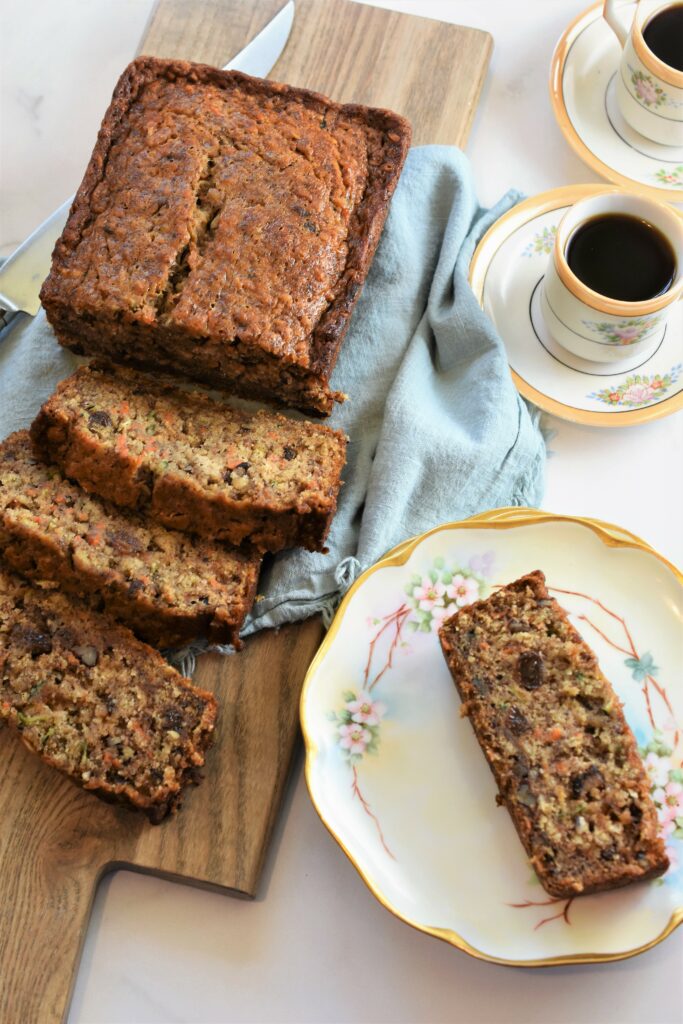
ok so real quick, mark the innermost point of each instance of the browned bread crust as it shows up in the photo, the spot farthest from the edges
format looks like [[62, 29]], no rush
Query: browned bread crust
[[555, 737], [93, 702], [224, 229], [191, 463], [168, 587]]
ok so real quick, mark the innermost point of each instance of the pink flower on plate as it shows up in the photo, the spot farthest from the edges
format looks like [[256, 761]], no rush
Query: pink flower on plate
[[463, 590], [638, 394], [438, 614], [646, 90], [667, 830], [429, 595], [671, 802], [365, 710], [658, 770], [354, 738]]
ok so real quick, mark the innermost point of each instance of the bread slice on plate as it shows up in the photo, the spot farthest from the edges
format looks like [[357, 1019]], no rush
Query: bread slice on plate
[[554, 734]]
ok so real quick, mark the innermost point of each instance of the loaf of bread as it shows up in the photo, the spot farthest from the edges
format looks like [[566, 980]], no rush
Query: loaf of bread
[[95, 703], [555, 737], [191, 463], [224, 229], [168, 587]]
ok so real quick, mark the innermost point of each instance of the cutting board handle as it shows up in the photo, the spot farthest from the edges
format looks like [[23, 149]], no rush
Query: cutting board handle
[[52, 854]]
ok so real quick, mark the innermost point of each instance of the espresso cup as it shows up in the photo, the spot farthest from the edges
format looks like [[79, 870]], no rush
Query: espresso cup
[[595, 326], [649, 92]]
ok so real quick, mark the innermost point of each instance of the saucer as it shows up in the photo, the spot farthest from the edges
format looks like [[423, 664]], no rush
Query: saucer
[[583, 74], [506, 275]]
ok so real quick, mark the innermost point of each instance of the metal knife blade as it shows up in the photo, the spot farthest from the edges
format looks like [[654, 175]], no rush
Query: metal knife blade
[[22, 274], [261, 54]]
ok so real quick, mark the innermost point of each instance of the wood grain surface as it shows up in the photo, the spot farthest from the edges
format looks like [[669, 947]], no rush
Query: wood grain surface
[[424, 69], [56, 842]]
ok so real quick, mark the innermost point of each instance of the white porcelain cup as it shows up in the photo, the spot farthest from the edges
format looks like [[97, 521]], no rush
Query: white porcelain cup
[[649, 92], [596, 326]]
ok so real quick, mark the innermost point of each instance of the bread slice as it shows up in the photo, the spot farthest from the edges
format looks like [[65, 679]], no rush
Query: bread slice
[[98, 705], [166, 586], [555, 737], [191, 463]]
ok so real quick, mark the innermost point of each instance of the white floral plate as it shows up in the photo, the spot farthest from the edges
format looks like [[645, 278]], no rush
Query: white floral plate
[[583, 72], [506, 274], [398, 778]]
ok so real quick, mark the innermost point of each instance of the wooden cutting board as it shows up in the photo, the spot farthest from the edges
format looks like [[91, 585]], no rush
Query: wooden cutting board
[[55, 841]]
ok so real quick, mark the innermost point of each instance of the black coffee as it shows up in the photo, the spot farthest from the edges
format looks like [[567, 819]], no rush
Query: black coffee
[[622, 257], [664, 36]]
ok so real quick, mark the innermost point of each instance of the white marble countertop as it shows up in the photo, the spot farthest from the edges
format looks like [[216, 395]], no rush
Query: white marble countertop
[[315, 946]]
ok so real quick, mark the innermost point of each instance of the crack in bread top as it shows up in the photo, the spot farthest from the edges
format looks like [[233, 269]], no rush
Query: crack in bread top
[[222, 212]]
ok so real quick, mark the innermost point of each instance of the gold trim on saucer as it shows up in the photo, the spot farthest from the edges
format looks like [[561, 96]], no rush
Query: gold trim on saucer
[[496, 519], [564, 44], [498, 233]]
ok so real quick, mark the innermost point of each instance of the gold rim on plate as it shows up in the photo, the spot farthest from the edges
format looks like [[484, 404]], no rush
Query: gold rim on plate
[[564, 45], [487, 248], [496, 519]]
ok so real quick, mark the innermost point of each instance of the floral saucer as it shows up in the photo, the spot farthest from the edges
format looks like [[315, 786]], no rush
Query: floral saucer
[[399, 780], [583, 72], [506, 274]]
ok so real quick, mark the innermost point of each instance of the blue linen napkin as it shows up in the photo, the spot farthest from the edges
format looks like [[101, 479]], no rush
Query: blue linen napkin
[[437, 430]]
